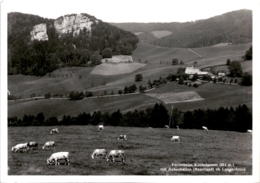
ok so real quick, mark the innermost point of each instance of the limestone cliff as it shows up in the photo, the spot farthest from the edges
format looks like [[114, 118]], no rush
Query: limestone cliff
[[39, 32], [73, 24]]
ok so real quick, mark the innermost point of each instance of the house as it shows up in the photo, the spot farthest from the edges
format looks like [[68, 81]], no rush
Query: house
[[193, 70], [118, 59], [221, 74]]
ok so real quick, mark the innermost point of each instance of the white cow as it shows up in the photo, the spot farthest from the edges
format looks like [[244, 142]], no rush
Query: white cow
[[99, 153], [166, 126], [116, 155], [122, 137], [100, 127], [33, 144], [23, 147], [249, 131], [204, 128], [48, 145], [176, 139], [58, 157], [54, 131]]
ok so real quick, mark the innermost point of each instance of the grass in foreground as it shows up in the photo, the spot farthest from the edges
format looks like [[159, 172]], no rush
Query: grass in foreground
[[147, 149]]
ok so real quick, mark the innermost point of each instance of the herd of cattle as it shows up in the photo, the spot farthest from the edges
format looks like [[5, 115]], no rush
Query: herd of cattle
[[59, 158], [62, 158]]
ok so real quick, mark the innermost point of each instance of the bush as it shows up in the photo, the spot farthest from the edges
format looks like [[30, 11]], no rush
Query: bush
[[175, 61], [88, 94], [142, 88], [171, 77], [120, 92], [181, 71], [47, 95], [95, 58], [130, 89], [138, 77], [107, 53], [76, 95]]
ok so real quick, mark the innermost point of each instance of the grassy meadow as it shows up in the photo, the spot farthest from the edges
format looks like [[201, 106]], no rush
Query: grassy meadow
[[147, 150]]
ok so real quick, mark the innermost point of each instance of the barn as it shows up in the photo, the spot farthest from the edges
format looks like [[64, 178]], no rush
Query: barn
[[118, 59]]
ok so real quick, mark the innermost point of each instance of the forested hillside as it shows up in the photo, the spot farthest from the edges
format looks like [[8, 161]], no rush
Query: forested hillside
[[38, 57], [233, 27]]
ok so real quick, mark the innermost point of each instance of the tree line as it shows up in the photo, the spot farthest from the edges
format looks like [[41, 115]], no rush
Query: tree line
[[158, 116]]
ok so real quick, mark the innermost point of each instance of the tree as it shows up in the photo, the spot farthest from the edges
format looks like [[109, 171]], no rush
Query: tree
[[116, 118], [40, 118], [246, 79], [88, 94], [171, 77], [107, 53], [138, 77], [248, 54], [159, 116], [142, 89], [176, 118], [195, 77], [95, 58], [228, 61], [175, 61], [181, 81], [47, 95], [74, 95], [181, 71], [235, 69], [120, 92], [150, 84]]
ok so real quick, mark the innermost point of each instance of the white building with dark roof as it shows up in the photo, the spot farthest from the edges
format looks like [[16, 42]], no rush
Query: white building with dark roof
[[193, 70]]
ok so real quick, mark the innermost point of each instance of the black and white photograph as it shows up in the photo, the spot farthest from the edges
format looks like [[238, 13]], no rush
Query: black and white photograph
[[140, 88]]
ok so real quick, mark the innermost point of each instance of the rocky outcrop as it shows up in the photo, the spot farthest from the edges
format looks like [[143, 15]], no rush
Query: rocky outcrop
[[73, 24], [39, 32]]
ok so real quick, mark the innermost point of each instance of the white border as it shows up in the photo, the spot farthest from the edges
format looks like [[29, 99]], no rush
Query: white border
[[256, 91], [256, 126], [3, 92]]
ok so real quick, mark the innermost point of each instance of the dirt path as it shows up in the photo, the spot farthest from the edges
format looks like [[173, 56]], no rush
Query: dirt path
[[194, 52]]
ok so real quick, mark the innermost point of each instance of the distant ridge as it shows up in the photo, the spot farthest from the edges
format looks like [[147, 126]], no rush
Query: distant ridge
[[232, 27]]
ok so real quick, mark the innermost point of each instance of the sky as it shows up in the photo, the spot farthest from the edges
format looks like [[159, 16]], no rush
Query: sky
[[131, 10]]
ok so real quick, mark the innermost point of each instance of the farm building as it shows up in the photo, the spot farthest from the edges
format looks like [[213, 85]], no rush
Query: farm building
[[118, 59], [221, 74], [192, 70]]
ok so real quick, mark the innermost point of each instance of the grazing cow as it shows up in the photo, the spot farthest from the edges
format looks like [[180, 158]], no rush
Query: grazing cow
[[166, 126], [176, 139], [122, 137], [58, 158], [204, 128], [33, 144], [24, 147], [99, 153], [54, 131], [48, 145], [100, 127], [249, 131], [116, 155]]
